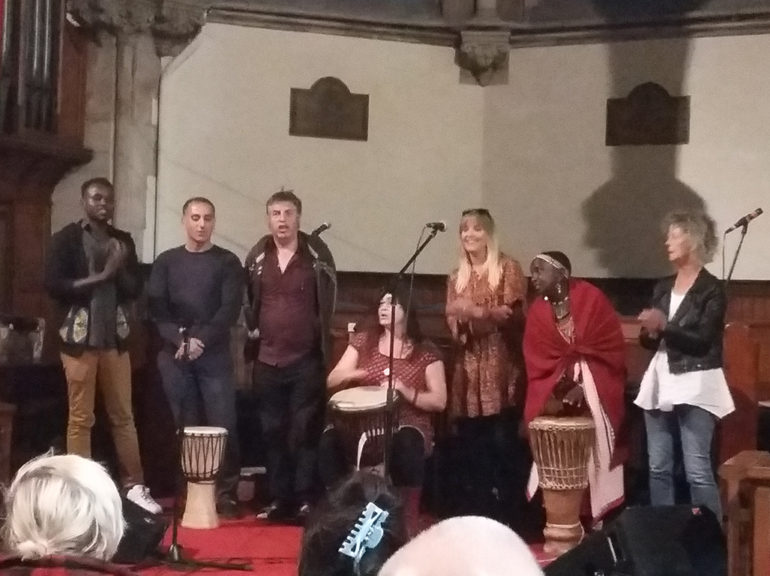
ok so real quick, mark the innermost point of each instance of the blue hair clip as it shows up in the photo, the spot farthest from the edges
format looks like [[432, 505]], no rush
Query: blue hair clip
[[366, 533]]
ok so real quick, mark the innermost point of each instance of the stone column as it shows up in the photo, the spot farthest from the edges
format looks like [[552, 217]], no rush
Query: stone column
[[130, 38], [484, 43], [136, 139]]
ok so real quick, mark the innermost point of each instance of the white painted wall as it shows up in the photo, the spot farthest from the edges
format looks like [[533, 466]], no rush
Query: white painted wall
[[224, 123], [553, 184], [533, 150]]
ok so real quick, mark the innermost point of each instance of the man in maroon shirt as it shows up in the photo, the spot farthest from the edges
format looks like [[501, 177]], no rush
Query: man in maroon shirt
[[292, 291]]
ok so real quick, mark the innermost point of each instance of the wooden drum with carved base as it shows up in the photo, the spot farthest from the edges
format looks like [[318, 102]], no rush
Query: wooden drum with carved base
[[202, 452], [359, 415], [561, 448]]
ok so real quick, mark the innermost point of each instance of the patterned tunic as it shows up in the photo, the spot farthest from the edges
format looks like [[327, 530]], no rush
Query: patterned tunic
[[410, 370], [487, 364]]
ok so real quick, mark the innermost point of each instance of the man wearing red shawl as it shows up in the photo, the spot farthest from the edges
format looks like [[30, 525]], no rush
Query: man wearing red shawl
[[575, 357]]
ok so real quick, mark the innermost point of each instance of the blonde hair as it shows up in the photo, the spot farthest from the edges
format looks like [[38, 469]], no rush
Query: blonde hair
[[63, 505], [492, 266]]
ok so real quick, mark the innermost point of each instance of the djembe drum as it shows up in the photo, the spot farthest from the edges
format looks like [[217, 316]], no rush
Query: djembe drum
[[561, 448], [202, 451], [359, 415]]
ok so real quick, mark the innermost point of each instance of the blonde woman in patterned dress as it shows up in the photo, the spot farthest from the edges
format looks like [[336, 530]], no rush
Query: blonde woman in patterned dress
[[485, 313]]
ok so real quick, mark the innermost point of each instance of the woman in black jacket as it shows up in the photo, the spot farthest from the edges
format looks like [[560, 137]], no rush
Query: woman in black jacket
[[684, 388]]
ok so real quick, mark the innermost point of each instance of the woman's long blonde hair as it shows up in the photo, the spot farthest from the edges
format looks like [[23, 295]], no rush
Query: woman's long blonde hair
[[492, 266]]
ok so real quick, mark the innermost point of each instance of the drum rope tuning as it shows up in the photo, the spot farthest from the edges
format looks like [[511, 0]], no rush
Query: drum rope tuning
[[202, 453]]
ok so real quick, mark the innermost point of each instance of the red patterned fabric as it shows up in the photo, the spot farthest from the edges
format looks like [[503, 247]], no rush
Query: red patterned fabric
[[598, 339], [410, 370], [487, 364]]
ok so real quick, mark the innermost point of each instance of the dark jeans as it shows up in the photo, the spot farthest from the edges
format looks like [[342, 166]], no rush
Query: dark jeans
[[291, 405], [407, 461], [207, 383]]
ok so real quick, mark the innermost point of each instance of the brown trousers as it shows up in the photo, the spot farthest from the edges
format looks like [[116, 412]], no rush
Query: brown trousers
[[110, 371]]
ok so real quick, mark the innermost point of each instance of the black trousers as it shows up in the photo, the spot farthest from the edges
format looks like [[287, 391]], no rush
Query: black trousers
[[492, 466], [407, 461], [291, 408]]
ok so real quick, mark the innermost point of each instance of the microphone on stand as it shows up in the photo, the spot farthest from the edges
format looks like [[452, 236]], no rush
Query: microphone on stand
[[438, 226], [321, 229], [744, 221], [183, 331]]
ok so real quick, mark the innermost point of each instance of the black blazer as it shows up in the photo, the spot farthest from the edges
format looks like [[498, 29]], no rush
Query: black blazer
[[326, 287], [66, 261], [694, 335]]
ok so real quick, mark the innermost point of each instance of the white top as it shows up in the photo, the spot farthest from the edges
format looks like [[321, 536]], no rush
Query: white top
[[662, 390]]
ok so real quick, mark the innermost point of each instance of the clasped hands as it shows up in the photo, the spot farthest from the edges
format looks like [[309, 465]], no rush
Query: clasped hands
[[117, 252], [574, 397], [567, 396], [192, 349], [465, 310], [652, 320]]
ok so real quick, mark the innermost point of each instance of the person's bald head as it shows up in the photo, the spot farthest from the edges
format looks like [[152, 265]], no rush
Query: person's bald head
[[464, 546]]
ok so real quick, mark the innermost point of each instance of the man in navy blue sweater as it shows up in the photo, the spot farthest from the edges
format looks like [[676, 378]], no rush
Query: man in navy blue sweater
[[195, 297]]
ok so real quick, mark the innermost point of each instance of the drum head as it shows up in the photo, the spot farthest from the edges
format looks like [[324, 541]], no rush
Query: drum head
[[360, 398], [204, 431], [561, 422]]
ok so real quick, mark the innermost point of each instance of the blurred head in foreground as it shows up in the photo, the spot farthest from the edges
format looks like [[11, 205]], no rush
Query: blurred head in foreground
[[333, 521], [464, 546], [63, 505]]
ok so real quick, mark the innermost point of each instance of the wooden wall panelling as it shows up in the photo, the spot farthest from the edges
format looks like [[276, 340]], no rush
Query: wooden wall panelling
[[760, 332], [6, 253], [31, 231], [71, 108], [749, 301], [738, 431]]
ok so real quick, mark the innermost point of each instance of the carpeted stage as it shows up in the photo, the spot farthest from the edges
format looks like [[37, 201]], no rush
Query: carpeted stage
[[272, 550]]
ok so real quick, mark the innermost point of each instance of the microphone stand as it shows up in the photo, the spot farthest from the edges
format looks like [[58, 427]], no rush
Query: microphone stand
[[744, 229], [390, 398], [175, 556]]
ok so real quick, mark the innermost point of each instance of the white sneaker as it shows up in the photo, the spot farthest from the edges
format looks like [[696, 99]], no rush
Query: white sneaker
[[139, 494]]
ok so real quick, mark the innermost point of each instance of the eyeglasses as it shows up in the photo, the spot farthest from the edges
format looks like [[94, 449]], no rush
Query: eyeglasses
[[476, 212]]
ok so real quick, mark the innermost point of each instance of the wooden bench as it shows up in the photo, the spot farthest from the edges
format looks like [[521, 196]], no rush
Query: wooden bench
[[745, 482]]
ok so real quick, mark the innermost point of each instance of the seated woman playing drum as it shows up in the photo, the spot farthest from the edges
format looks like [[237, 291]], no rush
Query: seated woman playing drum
[[420, 383]]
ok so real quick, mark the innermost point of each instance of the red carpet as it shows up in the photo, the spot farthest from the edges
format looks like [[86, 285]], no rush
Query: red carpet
[[271, 550]]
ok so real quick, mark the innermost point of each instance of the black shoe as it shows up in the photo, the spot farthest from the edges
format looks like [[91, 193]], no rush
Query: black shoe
[[276, 512], [228, 508]]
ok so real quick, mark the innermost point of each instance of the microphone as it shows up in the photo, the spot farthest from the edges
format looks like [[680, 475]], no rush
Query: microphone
[[744, 221], [438, 226], [321, 229], [183, 331]]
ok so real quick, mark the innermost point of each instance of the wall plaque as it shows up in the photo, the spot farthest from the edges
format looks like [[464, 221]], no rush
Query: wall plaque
[[648, 115], [329, 110]]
